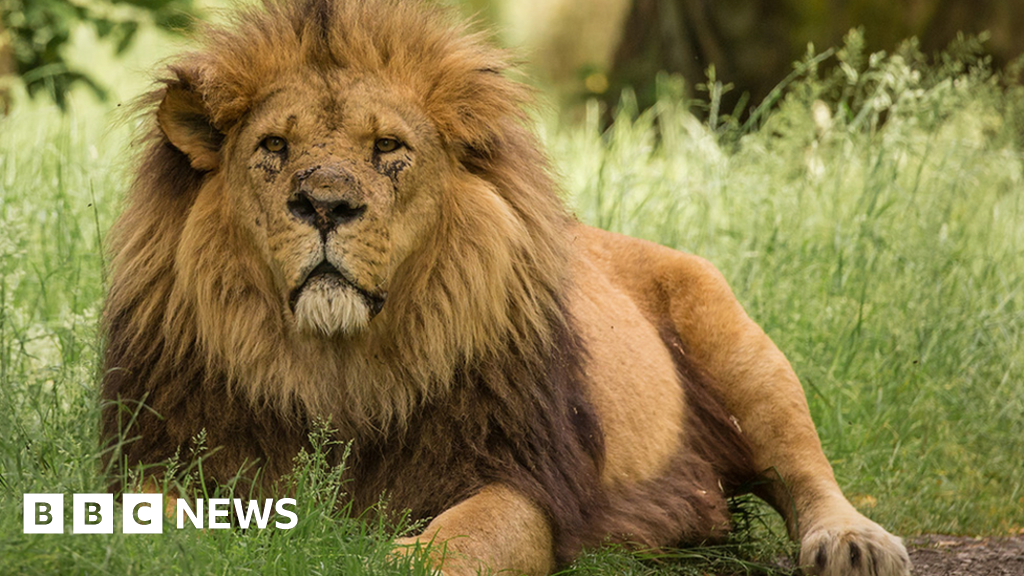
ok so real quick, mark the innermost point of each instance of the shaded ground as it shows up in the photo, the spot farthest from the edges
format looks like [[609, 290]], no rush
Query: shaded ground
[[962, 556], [938, 555]]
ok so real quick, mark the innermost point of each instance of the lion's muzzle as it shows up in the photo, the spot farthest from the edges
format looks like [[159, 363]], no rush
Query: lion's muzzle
[[326, 197]]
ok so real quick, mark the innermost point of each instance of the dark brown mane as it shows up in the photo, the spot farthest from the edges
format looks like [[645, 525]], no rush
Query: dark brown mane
[[509, 419]]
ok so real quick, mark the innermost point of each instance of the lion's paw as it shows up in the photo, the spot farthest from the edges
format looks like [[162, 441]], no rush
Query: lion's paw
[[854, 549]]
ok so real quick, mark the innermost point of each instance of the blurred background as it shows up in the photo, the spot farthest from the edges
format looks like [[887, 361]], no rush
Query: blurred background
[[588, 48], [577, 49]]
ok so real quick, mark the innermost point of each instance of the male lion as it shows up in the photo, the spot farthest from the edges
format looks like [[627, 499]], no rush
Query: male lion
[[339, 215]]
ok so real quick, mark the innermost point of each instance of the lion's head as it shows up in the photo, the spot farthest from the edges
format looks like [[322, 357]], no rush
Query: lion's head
[[338, 207]]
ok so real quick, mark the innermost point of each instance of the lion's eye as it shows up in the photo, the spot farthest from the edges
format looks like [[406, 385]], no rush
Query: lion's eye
[[385, 145], [274, 144]]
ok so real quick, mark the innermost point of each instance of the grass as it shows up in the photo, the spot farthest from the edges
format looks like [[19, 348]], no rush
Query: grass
[[872, 222]]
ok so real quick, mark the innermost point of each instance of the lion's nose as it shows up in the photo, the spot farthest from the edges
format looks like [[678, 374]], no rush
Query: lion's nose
[[324, 198], [323, 214]]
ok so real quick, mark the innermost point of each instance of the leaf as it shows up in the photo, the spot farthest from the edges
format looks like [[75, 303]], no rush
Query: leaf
[[128, 32], [174, 20]]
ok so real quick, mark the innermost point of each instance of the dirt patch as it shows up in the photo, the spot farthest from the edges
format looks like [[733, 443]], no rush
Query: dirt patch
[[938, 555], [963, 556]]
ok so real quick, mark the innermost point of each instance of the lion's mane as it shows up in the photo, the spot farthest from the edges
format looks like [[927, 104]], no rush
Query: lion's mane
[[196, 332]]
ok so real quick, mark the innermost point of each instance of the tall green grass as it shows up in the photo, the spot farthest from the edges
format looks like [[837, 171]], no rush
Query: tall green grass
[[872, 222]]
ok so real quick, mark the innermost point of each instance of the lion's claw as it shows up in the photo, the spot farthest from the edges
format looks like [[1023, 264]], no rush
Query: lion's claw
[[856, 550]]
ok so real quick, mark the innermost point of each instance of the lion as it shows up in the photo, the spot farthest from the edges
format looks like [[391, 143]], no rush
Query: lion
[[341, 215]]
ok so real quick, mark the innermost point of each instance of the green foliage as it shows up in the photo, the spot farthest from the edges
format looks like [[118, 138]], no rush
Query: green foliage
[[756, 547], [40, 32], [871, 220]]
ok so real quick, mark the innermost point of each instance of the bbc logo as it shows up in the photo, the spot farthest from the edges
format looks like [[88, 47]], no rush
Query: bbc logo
[[93, 514], [143, 513]]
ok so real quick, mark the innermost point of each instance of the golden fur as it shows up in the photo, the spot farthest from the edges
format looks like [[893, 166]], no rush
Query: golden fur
[[340, 215]]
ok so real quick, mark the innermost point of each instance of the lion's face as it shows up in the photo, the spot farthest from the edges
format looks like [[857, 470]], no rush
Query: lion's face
[[334, 192], [336, 180]]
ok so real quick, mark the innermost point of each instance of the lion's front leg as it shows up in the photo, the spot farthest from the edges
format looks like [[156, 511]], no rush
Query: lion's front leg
[[758, 386], [497, 531]]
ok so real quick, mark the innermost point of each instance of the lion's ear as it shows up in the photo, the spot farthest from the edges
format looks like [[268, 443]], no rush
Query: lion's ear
[[185, 120]]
